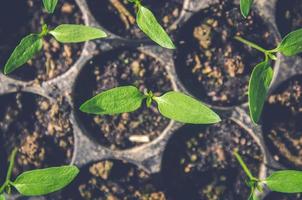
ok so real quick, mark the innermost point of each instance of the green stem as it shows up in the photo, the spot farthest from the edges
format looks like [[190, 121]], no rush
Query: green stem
[[244, 167], [9, 171], [253, 45]]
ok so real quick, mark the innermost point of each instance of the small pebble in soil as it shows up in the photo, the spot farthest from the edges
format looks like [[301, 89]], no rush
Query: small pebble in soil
[[200, 161]]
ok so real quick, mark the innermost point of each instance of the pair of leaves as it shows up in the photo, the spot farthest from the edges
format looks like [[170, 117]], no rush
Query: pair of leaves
[[173, 105], [32, 44], [245, 7], [259, 83], [44, 181], [150, 26], [50, 5]]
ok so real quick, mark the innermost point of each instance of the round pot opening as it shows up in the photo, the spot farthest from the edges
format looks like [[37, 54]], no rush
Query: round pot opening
[[120, 68], [55, 58], [200, 161], [282, 127], [210, 63], [40, 129]]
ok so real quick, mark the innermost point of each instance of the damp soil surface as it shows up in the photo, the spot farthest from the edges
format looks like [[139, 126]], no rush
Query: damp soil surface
[[24, 18], [280, 196], [288, 16], [120, 68], [119, 16], [199, 164], [41, 131], [282, 126], [210, 63], [114, 180]]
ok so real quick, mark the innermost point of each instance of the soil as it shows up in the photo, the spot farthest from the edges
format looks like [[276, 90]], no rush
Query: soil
[[39, 129], [280, 196], [288, 16], [282, 127], [55, 58], [122, 15], [114, 180], [120, 68], [199, 160], [211, 64]]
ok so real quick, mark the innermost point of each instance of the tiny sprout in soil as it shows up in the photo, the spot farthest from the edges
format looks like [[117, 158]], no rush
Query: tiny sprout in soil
[[64, 33], [173, 105], [284, 181], [37, 182], [262, 74]]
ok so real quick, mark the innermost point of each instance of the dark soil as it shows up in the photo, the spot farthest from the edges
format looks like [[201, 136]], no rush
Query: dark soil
[[199, 162], [39, 129], [120, 68], [280, 196], [282, 126], [210, 63], [114, 180], [288, 16], [20, 18], [119, 16]]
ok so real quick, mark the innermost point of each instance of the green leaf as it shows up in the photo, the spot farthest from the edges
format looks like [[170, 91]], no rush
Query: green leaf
[[50, 5], [149, 25], [117, 100], [245, 7], [258, 88], [45, 181], [183, 108], [72, 33], [27, 49], [2, 197], [291, 43], [286, 181]]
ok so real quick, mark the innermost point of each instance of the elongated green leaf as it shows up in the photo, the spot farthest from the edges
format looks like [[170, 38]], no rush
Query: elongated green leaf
[[2, 197], [114, 101], [183, 108], [286, 181], [258, 88], [72, 33], [149, 25], [245, 7], [45, 181], [50, 5], [27, 49], [291, 43]]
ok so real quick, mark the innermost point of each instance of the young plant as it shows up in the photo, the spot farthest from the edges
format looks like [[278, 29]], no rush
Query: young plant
[[284, 181], [147, 22], [173, 105], [37, 182], [65, 33], [262, 74], [245, 7]]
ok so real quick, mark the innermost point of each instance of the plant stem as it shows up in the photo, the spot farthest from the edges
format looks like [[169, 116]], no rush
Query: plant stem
[[10, 170], [253, 45], [243, 165]]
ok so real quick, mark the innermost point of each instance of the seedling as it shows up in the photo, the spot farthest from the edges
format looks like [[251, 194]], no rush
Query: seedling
[[245, 7], [65, 33], [284, 181], [263, 73], [37, 182], [173, 105], [147, 22]]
